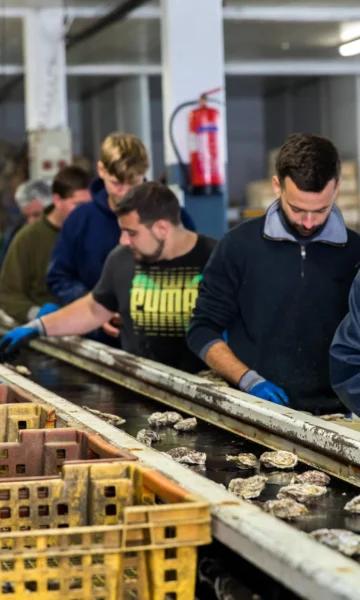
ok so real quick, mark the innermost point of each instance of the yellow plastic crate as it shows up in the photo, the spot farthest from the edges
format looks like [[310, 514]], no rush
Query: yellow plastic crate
[[125, 532], [14, 417]]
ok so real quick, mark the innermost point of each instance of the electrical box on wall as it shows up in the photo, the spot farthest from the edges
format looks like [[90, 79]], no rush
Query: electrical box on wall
[[49, 151]]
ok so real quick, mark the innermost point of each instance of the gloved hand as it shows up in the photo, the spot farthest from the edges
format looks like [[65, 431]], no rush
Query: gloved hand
[[19, 336], [253, 383], [46, 309], [270, 391]]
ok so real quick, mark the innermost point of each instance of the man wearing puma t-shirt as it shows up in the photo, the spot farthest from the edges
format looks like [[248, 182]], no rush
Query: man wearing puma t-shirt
[[151, 279]]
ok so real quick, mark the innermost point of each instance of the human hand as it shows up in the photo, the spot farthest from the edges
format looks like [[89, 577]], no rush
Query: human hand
[[19, 336], [112, 327], [269, 391], [46, 309], [253, 383]]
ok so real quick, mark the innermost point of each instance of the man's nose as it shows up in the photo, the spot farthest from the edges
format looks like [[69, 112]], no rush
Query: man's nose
[[308, 220], [124, 239]]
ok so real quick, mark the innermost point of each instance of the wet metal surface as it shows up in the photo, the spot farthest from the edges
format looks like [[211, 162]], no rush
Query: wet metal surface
[[76, 386]]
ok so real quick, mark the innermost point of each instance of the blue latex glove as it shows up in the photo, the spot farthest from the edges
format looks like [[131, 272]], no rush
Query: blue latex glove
[[46, 309], [269, 391], [19, 336]]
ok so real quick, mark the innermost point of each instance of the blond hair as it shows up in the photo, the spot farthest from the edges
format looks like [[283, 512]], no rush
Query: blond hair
[[124, 156]]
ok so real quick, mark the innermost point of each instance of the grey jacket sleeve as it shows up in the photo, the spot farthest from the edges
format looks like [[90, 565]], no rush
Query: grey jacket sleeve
[[345, 353]]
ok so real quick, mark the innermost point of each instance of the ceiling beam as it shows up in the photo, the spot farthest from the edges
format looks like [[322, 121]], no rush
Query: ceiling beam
[[247, 12], [291, 13], [249, 68], [293, 67], [113, 69]]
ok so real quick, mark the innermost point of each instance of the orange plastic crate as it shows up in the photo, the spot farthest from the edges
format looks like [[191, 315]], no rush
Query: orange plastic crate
[[41, 452]]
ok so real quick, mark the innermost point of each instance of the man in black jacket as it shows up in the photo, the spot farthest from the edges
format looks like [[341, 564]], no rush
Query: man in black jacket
[[278, 285]]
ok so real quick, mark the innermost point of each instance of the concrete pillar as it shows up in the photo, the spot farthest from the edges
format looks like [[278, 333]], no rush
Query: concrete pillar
[[133, 110], [45, 69], [193, 63], [45, 91]]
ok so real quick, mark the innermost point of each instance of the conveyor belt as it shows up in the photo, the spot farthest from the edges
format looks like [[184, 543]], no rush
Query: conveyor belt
[[308, 568], [82, 389]]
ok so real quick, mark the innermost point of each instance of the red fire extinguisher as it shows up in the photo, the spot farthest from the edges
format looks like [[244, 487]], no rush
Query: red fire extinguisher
[[205, 174], [205, 168]]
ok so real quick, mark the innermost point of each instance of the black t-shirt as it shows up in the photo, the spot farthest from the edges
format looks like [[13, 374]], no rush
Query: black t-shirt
[[155, 301]]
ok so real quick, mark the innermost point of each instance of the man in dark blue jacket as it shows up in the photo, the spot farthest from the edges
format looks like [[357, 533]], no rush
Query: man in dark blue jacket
[[345, 353], [92, 231], [279, 284]]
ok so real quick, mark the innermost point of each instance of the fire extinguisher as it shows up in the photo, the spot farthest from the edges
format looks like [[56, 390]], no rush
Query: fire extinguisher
[[205, 174]]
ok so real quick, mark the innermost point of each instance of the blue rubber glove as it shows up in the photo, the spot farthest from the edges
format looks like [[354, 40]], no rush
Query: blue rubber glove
[[253, 383], [19, 336], [270, 391], [46, 309]]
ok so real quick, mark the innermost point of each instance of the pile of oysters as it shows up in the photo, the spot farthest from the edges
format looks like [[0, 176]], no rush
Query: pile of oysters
[[169, 418], [294, 498]]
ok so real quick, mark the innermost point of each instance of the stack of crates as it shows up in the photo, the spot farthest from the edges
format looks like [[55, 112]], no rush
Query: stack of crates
[[17, 412], [81, 519]]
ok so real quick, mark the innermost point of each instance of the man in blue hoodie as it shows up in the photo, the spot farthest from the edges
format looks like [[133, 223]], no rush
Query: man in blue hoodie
[[92, 231], [278, 285]]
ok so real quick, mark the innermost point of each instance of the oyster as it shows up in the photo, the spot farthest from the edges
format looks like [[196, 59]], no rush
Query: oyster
[[213, 377], [315, 477], [186, 424], [251, 487], [22, 370], [280, 477], [303, 492], [172, 417], [243, 460], [353, 505], [147, 436], [343, 540], [162, 419], [279, 459], [286, 508], [108, 417], [333, 417], [184, 455]]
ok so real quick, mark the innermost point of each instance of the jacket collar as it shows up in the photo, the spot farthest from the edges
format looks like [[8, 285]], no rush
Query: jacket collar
[[333, 232]]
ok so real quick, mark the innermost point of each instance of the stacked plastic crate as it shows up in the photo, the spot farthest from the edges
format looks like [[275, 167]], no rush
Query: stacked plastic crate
[[81, 519]]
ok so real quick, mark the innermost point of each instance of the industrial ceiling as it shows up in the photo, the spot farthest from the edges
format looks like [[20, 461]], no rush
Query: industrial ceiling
[[261, 38]]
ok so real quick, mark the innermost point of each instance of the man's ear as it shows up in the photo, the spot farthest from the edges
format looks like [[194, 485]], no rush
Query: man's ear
[[161, 228], [101, 169], [276, 185], [56, 199], [337, 189]]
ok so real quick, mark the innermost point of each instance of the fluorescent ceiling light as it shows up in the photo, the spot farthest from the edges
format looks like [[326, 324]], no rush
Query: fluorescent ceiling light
[[350, 48], [349, 31]]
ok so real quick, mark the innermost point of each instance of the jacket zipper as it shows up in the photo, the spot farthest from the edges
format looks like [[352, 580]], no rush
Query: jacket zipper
[[303, 258]]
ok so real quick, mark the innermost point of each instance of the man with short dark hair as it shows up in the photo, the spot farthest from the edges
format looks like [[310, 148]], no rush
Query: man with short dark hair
[[278, 285], [151, 279], [23, 290]]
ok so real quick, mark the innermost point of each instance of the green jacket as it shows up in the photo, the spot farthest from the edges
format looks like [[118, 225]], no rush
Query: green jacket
[[23, 274]]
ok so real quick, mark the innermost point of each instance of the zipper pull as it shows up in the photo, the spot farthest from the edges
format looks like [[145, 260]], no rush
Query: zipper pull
[[303, 257]]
